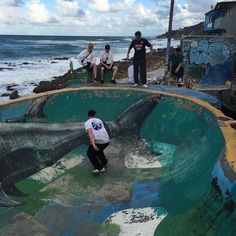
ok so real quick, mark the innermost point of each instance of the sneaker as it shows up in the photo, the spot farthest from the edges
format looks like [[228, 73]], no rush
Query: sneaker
[[113, 81], [96, 171], [94, 81], [180, 81], [145, 86], [102, 81], [135, 85]]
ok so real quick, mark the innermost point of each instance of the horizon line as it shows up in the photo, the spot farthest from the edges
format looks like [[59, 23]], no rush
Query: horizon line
[[47, 35]]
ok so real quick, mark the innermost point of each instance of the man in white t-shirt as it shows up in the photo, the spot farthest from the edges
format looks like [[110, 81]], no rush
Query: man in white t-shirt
[[87, 59], [106, 60], [99, 140]]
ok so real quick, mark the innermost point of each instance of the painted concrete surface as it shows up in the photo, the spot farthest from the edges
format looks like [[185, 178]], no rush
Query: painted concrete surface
[[215, 53], [157, 176]]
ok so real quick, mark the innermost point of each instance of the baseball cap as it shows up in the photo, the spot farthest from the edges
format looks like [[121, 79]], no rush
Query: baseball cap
[[91, 113], [107, 47]]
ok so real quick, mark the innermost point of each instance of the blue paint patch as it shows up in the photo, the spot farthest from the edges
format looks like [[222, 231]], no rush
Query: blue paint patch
[[107, 211], [216, 75], [14, 110], [81, 210], [144, 193], [223, 182]]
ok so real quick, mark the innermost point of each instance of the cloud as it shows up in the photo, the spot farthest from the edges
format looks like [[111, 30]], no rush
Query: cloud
[[38, 13], [68, 8], [100, 5], [104, 6], [12, 3], [11, 12], [144, 16], [183, 17], [201, 6], [99, 17], [186, 13], [121, 6]]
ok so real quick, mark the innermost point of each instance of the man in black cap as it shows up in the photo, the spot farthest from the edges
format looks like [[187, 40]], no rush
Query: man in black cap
[[106, 60], [139, 60], [99, 140]]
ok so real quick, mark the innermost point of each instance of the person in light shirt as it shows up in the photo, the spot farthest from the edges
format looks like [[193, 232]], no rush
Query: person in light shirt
[[87, 59], [106, 60], [99, 140]]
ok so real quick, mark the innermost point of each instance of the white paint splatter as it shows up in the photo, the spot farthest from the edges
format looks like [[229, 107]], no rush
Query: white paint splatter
[[137, 221], [49, 173], [141, 160]]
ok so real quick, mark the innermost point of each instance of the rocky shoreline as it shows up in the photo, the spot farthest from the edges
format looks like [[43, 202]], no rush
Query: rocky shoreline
[[155, 60]]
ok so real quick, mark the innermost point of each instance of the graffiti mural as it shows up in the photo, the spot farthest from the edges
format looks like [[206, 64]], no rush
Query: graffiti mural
[[162, 153], [216, 54]]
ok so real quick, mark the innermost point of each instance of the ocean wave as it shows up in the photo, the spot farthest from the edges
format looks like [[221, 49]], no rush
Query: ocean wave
[[128, 39], [32, 56]]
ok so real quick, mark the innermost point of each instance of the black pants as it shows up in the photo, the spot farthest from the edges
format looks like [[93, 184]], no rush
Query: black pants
[[88, 67], [97, 158], [180, 73], [140, 67]]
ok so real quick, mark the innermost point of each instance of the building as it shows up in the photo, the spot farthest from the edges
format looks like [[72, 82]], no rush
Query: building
[[221, 19]]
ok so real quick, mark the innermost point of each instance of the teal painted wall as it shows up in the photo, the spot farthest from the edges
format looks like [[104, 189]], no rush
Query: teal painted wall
[[182, 136]]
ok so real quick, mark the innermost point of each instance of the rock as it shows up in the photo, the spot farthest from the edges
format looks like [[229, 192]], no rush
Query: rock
[[43, 86], [49, 85], [27, 63], [4, 68], [5, 95], [10, 87], [155, 60], [14, 94], [60, 58]]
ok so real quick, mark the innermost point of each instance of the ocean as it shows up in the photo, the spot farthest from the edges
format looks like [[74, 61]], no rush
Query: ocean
[[27, 60]]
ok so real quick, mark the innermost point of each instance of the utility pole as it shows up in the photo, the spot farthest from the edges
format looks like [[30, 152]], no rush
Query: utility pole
[[169, 37]]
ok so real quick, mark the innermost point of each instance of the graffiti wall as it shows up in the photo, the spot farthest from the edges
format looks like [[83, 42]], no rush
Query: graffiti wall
[[160, 160], [210, 59]]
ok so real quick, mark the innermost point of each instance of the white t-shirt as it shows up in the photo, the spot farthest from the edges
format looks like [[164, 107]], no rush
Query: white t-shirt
[[98, 129], [107, 58], [86, 56]]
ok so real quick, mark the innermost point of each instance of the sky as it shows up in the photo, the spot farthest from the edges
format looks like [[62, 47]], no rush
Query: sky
[[98, 17]]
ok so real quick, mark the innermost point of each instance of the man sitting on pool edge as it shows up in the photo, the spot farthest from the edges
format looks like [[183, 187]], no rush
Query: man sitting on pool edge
[[106, 60]]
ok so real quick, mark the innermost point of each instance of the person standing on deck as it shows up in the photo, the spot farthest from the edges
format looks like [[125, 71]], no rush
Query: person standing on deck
[[139, 60]]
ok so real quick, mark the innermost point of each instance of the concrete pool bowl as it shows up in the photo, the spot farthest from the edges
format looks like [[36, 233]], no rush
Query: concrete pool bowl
[[171, 168]]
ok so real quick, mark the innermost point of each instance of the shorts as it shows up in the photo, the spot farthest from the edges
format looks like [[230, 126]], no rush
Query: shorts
[[106, 68]]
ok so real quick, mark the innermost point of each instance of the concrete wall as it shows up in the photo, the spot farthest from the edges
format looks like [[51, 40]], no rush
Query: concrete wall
[[227, 22], [213, 56]]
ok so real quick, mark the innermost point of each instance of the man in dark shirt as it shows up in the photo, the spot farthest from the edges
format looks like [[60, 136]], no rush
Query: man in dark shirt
[[176, 68], [139, 60]]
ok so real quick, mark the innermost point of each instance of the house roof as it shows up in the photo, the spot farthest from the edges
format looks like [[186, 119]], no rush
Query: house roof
[[224, 5]]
